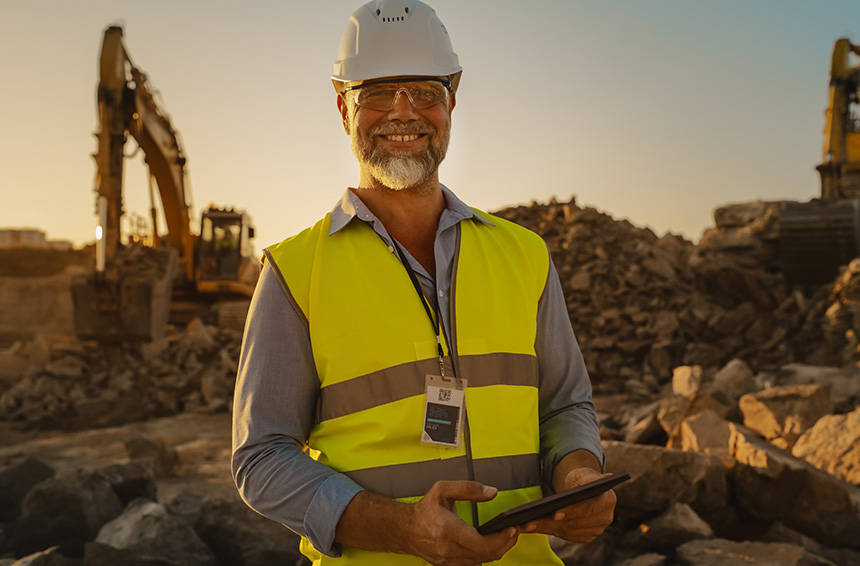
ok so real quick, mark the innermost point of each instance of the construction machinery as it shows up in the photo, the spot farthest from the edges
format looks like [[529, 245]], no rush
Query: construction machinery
[[129, 294], [818, 237]]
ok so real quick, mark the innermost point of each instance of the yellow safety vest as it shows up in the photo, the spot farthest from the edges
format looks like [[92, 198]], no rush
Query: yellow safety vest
[[373, 345]]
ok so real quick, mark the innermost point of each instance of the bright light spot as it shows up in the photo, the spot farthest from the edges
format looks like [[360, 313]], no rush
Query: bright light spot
[[99, 232]]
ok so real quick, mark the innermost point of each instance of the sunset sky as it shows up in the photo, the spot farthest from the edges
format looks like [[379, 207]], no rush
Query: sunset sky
[[657, 111]]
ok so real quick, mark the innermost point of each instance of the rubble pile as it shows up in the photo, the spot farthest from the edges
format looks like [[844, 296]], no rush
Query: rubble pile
[[735, 468], [726, 470], [111, 516], [84, 385], [642, 305]]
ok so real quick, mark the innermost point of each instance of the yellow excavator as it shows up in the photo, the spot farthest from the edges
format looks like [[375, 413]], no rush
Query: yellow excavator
[[818, 237], [129, 294]]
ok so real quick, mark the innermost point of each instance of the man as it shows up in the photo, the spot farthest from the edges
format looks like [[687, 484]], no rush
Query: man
[[408, 369]]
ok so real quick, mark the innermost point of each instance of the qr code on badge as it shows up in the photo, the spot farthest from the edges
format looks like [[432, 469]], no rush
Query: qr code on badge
[[445, 395]]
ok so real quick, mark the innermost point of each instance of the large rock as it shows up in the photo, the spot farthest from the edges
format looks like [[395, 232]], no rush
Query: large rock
[[239, 535], [771, 484], [651, 559], [707, 433], [661, 477], [733, 381], [721, 552], [686, 381], [16, 481], [65, 511], [673, 527], [149, 529], [130, 481], [844, 382], [782, 414], [594, 553], [833, 445], [152, 452], [12, 368], [97, 554], [840, 556]]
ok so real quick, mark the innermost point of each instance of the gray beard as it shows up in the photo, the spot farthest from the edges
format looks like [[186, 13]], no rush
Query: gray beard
[[400, 170]]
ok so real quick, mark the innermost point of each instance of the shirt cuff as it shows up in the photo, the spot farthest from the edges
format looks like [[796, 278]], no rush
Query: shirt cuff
[[325, 511], [562, 449]]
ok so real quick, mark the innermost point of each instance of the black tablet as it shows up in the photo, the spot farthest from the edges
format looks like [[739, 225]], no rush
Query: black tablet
[[548, 505]]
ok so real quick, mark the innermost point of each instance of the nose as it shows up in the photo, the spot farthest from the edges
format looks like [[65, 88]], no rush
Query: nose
[[403, 108]]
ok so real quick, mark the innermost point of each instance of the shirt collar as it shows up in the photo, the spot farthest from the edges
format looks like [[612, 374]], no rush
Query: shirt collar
[[350, 206]]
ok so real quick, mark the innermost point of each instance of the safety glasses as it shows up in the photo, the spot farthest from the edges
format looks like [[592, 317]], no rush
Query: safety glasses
[[382, 95]]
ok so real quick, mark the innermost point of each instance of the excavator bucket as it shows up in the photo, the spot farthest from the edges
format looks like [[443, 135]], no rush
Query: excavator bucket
[[818, 237], [130, 301]]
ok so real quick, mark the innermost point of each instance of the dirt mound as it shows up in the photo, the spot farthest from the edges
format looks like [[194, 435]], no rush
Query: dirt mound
[[41, 262]]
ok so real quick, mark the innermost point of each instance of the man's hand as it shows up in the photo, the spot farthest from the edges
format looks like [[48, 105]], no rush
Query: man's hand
[[428, 528], [581, 522], [440, 537]]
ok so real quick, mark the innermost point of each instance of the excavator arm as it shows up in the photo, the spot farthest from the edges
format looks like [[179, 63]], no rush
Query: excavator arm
[[840, 167], [130, 294], [126, 106]]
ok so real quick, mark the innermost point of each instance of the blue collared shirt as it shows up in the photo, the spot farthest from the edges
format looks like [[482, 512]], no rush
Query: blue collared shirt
[[277, 388]]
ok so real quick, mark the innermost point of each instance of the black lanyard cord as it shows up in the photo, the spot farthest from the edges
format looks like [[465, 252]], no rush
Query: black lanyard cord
[[436, 321]]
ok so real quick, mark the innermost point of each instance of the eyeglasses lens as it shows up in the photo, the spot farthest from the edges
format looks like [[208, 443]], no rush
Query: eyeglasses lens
[[383, 96]]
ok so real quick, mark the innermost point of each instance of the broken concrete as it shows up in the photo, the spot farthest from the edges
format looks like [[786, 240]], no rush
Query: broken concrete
[[833, 445], [782, 414], [771, 484], [662, 477]]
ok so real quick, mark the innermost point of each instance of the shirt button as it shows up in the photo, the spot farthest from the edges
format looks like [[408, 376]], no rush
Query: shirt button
[[391, 249], [441, 293]]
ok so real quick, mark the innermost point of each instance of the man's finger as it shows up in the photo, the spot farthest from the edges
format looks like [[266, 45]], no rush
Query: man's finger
[[464, 491]]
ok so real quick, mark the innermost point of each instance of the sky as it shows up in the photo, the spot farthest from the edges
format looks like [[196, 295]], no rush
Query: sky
[[654, 111]]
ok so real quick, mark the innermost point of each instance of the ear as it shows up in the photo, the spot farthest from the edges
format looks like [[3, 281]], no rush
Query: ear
[[343, 108], [453, 102]]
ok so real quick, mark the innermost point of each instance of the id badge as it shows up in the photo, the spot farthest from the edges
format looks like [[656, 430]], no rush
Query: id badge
[[444, 401]]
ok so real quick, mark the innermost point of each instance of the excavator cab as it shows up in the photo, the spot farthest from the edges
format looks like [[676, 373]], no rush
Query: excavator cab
[[225, 253]]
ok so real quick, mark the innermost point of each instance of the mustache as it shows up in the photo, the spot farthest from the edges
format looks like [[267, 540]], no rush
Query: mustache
[[401, 128]]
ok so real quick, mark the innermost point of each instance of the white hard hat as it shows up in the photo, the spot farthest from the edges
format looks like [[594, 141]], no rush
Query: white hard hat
[[392, 38]]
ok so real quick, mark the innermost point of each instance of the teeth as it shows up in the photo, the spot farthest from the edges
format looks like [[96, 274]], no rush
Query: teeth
[[399, 138]]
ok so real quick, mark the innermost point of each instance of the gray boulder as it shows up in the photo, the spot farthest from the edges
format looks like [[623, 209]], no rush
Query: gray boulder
[[65, 511], [721, 552], [149, 529], [672, 528], [16, 481], [661, 477], [97, 554]]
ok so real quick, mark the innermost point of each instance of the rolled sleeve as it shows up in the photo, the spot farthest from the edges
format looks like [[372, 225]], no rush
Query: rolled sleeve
[[568, 420], [274, 403]]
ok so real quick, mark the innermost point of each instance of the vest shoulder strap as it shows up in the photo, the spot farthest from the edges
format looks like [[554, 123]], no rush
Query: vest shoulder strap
[[293, 259]]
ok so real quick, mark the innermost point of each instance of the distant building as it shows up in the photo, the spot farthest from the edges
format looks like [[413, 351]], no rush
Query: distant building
[[30, 238]]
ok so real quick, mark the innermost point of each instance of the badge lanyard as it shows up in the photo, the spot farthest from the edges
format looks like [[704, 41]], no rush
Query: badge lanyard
[[435, 321]]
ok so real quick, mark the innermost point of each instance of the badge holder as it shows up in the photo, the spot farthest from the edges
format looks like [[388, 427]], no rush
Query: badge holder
[[444, 403]]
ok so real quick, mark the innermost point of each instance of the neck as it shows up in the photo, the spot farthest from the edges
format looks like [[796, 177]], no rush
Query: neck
[[411, 216]]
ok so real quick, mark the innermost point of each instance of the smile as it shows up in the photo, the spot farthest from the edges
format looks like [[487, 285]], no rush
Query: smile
[[402, 137]]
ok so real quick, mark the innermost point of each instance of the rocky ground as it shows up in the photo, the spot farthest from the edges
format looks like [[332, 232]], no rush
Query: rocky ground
[[731, 398]]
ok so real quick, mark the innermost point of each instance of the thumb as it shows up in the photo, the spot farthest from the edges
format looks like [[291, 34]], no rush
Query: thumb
[[465, 491]]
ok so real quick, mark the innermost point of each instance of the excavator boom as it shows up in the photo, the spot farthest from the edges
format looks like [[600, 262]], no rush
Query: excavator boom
[[129, 295]]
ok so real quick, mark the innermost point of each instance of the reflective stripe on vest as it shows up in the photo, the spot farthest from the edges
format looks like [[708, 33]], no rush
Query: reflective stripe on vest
[[373, 347]]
